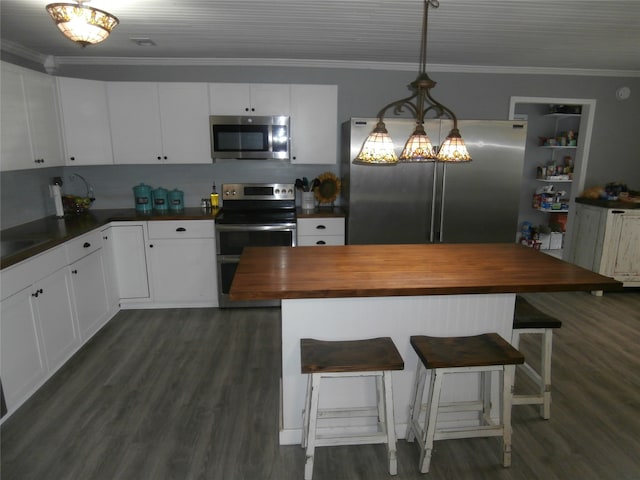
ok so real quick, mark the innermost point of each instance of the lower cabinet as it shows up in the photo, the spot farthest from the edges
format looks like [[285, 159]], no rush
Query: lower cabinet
[[607, 241], [38, 335], [182, 261], [130, 262], [89, 293], [320, 231]]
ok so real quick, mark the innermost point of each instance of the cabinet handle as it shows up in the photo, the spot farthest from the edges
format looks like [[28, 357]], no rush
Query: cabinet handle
[[181, 229], [37, 292], [75, 272], [86, 245], [617, 211], [321, 242], [321, 227]]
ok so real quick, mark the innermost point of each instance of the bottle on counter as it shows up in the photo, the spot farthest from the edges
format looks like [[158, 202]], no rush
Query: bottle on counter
[[215, 199]]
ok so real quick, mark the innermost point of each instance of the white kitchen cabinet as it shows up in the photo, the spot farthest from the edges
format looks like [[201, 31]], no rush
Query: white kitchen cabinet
[[85, 121], [130, 262], [30, 128], [89, 293], [607, 241], [110, 275], [314, 124], [320, 231], [249, 99], [159, 123], [22, 362], [182, 259]]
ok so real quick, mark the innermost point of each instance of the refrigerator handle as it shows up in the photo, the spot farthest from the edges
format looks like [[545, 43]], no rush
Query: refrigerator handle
[[433, 204]]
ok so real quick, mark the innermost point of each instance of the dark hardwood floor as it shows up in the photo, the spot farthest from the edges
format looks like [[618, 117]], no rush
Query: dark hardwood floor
[[193, 394]]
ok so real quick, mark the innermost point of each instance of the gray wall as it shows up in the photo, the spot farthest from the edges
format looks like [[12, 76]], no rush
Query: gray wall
[[613, 155]]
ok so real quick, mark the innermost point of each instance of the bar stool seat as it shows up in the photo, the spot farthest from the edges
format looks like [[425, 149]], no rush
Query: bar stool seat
[[528, 319], [375, 357], [484, 354]]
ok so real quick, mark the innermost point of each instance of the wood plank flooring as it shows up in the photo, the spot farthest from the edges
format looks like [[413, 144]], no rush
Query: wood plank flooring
[[193, 394]]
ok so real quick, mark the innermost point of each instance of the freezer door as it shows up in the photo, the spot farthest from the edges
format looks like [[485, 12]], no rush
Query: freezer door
[[478, 201]]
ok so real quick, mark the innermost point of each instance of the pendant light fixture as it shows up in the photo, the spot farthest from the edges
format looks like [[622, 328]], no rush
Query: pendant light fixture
[[378, 148], [82, 24]]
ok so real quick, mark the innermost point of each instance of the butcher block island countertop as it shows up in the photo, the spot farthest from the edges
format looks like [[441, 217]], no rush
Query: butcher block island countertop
[[401, 270]]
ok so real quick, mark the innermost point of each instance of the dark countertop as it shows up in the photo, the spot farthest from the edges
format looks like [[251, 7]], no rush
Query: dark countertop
[[596, 202], [24, 241], [266, 273]]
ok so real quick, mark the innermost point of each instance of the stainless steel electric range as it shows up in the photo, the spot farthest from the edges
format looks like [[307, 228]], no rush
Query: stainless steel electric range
[[253, 215]]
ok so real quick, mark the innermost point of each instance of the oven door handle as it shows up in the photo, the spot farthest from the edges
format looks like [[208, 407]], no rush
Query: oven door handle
[[283, 227]]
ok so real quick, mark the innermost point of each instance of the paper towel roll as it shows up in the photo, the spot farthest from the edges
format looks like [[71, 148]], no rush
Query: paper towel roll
[[56, 194]]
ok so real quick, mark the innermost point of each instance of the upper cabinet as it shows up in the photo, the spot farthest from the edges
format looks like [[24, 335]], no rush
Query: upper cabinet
[[249, 99], [314, 124], [30, 134], [159, 123], [85, 122]]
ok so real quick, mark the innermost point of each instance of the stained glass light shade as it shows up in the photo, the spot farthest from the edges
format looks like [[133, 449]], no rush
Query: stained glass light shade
[[377, 149], [418, 148], [453, 148], [84, 25]]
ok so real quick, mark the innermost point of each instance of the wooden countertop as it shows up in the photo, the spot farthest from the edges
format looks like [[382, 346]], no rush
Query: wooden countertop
[[397, 270]]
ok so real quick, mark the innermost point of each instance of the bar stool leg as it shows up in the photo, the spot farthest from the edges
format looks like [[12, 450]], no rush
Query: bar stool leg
[[507, 376], [433, 400], [390, 423], [416, 402], [305, 413], [545, 374], [313, 422]]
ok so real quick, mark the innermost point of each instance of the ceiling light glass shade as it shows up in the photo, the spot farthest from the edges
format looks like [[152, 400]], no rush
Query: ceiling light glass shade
[[378, 148], [453, 148], [85, 25], [418, 148]]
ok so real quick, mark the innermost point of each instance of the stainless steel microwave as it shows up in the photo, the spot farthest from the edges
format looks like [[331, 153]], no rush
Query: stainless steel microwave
[[249, 137]]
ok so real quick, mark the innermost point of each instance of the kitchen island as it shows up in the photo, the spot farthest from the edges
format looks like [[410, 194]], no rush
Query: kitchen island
[[363, 291]]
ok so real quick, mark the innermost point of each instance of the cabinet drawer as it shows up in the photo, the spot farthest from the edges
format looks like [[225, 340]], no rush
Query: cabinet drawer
[[181, 229], [82, 246], [321, 226], [315, 240], [36, 268]]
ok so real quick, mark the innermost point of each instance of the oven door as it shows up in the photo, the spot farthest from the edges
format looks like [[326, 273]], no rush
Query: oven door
[[231, 240]]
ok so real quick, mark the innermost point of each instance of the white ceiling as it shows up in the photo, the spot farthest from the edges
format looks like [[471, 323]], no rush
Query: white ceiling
[[482, 35]]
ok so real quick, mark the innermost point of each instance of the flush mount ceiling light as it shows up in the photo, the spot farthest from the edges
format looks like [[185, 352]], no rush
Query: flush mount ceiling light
[[378, 148], [84, 25]]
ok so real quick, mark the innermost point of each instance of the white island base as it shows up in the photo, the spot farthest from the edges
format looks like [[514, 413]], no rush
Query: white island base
[[396, 317]]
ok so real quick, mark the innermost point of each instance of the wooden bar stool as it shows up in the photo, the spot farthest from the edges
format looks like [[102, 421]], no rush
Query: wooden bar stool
[[528, 319], [486, 353], [375, 357]]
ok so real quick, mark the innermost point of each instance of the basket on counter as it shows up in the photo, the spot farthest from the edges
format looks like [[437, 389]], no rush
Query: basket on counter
[[73, 205]]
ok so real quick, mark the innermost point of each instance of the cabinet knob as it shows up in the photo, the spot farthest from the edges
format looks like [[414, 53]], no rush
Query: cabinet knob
[[86, 245], [150, 246], [181, 229], [105, 238], [75, 272], [246, 109], [159, 157], [36, 293], [165, 157], [72, 158], [253, 109]]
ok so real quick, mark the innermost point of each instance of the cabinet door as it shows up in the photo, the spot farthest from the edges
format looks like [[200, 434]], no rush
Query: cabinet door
[[15, 145], [230, 99], [54, 311], [623, 247], [314, 124], [89, 293], [134, 119], [109, 261], [85, 121], [184, 114], [130, 261], [588, 236], [270, 99], [22, 362], [184, 271], [42, 108]]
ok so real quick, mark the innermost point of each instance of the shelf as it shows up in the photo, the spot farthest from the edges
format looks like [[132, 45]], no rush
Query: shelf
[[563, 115], [551, 210], [548, 180], [559, 147]]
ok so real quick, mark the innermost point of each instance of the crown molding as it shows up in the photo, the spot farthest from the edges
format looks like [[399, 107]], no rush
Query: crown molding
[[26, 53]]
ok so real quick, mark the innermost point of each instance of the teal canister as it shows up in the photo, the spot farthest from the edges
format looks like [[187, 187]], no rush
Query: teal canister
[[160, 199], [176, 199], [142, 197]]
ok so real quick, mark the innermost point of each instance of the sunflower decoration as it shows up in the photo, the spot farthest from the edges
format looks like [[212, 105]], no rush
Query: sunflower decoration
[[327, 187]]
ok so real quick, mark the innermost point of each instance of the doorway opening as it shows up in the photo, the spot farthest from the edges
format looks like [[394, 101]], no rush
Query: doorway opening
[[556, 156]]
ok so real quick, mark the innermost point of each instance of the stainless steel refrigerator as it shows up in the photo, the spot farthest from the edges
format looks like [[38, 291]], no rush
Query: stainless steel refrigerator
[[469, 202]]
